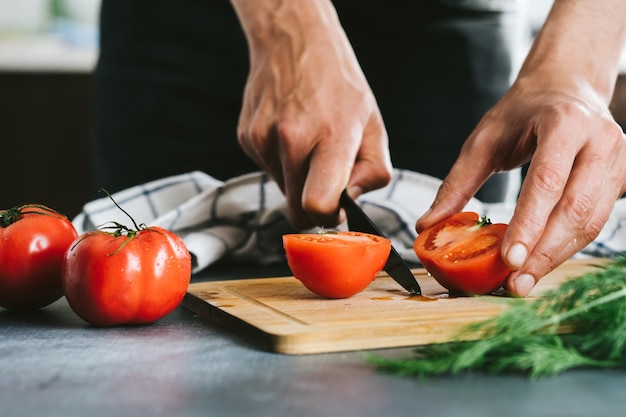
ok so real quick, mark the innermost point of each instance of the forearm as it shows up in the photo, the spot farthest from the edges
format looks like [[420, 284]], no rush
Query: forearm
[[295, 39], [581, 40], [263, 19], [288, 22]]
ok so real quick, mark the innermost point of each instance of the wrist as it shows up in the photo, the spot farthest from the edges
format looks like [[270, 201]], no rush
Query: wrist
[[267, 23], [579, 45]]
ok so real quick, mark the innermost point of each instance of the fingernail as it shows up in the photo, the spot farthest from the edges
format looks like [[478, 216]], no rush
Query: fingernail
[[517, 255], [418, 227], [523, 284]]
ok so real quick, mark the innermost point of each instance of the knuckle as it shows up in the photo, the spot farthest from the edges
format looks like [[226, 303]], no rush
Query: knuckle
[[544, 261], [530, 225], [614, 138], [609, 142], [592, 229], [318, 205], [578, 215], [243, 134], [577, 210], [380, 176], [290, 129], [566, 111], [252, 134], [293, 137], [287, 130], [571, 110], [548, 180]]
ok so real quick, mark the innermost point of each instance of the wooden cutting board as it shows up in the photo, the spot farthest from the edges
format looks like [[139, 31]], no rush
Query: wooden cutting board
[[280, 315]]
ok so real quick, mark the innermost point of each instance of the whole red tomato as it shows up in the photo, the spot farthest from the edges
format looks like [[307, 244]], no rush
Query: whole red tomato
[[126, 276], [33, 240], [462, 253], [336, 264]]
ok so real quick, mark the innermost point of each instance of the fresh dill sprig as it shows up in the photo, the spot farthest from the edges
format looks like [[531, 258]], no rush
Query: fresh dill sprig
[[581, 323]]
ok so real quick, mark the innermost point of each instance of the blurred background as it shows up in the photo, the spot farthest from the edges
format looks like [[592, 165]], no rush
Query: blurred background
[[48, 49]]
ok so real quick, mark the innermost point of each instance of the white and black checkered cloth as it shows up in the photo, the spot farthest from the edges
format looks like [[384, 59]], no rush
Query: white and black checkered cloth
[[244, 218]]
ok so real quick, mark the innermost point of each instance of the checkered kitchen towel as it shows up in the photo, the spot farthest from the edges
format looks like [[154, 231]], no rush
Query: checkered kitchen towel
[[244, 218]]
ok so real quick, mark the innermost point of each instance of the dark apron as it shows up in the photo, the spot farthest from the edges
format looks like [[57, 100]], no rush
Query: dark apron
[[170, 79]]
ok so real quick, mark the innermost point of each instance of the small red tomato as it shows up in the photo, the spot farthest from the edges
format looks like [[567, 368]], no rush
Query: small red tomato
[[462, 253], [127, 276], [33, 240], [336, 264]]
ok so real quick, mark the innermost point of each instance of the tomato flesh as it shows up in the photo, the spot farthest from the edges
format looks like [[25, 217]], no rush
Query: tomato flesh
[[463, 255], [336, 264]]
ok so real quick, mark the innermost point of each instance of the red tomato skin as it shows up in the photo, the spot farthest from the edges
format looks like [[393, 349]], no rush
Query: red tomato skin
[[332, 269], [31, 254], [480, 270], [108, 285]]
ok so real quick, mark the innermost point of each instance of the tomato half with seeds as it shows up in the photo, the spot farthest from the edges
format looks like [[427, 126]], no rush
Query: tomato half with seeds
[[336, 264], [462, 252]]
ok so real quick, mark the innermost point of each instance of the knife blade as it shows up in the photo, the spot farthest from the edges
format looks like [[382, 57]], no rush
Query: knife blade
[[397, 269]]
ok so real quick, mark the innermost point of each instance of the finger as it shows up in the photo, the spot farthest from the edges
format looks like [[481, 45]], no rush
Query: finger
[[577, 219], [295, 155], [372, 168], [541, 190], [330, 165], [558, 244], [467, 175], [258, 136], [369, 169], [261, 145]]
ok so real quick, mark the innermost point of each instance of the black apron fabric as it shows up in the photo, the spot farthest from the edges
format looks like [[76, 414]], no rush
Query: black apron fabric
[[170, 77]]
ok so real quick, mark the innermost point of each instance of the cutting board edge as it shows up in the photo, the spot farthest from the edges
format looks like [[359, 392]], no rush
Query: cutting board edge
[[253, 334], [314, 341]]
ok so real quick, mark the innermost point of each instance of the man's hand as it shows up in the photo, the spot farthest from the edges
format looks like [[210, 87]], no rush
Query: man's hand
[[555, 115], [309, 117]]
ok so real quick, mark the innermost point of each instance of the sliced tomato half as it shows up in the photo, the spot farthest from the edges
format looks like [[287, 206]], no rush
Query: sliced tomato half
[[462, 253], [336, 264]]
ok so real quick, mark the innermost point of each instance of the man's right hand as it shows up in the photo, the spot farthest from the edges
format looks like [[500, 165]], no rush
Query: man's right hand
[[309, 117]]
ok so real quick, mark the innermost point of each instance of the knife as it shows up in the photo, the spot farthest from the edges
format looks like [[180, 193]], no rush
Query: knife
[[395, 266]]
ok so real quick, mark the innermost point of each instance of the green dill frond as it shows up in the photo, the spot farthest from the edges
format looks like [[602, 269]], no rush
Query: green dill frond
[[581, 323]]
